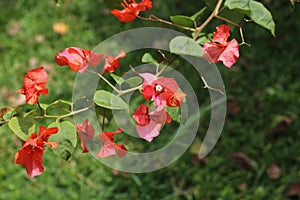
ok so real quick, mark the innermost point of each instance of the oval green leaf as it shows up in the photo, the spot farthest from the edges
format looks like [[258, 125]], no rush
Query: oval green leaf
[[108, 100], [119, 80], [22, 126], [66, 138], [198, 14], [183, 45], [148, 58], [134, 81], [174, 113], [182, 20], [255, 10]]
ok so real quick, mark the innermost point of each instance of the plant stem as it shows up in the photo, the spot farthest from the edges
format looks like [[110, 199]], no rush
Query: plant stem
[[209, 87], [227, 20], [212, 15], [105, 80], [41, 109], [157, 19], [62, 116], [173, 57]]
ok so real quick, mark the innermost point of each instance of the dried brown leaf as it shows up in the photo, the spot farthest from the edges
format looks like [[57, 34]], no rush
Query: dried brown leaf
[[243, 161], [293, 190], [280, 127], [273, 171]]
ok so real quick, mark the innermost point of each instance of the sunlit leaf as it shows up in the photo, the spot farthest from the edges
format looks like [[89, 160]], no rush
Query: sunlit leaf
[[108, 100], [22, 126]]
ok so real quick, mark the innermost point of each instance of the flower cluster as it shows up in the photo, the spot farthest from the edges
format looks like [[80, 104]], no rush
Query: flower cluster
[[31, 154], [163, 92], [79, 60], [159, 93], [219, 50]]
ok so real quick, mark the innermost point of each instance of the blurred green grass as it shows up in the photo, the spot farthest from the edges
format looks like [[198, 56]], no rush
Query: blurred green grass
[[264, 85]]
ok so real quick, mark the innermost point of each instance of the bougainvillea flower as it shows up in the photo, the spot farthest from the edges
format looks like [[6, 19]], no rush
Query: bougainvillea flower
[[149, 124], [35, 82], [219, 50], [164, 91], [109, 147], [131, 9], [31, 154], [85, 131], [111, 63], [78, 59]]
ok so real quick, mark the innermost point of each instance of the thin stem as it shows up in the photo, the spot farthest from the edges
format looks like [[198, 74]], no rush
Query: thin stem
[[62, 116], [129, 90], [3, 122], [105, 80], [227, 20], [209, 87], [212, 15], [157, 19], [171, 60], [41, 109], [243, 39], [132, 68]]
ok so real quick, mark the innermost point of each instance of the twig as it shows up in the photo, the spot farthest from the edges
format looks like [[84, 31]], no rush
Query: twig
[[209, 87], [157, 19], [105, 80], [212, 15]]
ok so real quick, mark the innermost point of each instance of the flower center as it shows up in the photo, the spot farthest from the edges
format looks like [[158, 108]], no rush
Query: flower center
[[158, 88]]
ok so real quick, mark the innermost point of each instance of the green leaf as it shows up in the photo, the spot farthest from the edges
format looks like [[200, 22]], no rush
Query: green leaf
[[119, 80], [182, 20], [183, 45], [203, 38], [174, 113], [198, 14], [174, 64], [134, 81], [255, 10], [22, 126], [148, 58], [56, 103], [66, 138], [232, 15], [108, 100]]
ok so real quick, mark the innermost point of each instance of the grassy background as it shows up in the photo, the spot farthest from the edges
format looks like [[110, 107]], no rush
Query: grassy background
[[262, 88]]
